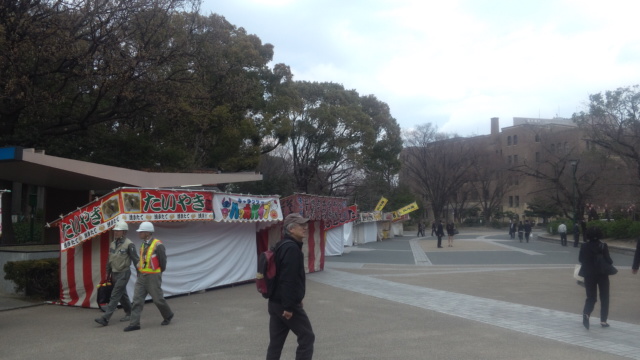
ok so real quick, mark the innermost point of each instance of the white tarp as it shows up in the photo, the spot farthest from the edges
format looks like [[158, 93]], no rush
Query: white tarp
[[348, 234], [397, 229], [365, 232], [200, 255], [335, 241]]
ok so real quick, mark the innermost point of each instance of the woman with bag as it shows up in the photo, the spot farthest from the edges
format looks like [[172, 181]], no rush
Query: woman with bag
[[594, 278]]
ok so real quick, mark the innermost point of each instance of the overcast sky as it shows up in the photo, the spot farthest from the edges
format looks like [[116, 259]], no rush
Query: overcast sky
[[451, 63]]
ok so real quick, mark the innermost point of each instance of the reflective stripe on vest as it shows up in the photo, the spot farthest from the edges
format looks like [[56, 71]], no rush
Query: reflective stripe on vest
[[149, 263]]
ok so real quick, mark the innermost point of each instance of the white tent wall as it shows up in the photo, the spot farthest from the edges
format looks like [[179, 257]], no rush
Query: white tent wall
[[200, 255], [335, 242], [397, 229], [365, 232], [348, 234], [203, 255]]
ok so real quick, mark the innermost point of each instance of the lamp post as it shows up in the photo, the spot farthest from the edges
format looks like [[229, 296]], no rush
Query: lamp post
[[574, 166]]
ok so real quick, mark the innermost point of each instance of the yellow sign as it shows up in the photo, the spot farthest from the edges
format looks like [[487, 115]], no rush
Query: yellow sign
[[383, 201], [407, 209]]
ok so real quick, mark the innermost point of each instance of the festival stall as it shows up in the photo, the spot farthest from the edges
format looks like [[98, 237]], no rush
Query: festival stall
[[326, 214], [210, 238], [365, 229]]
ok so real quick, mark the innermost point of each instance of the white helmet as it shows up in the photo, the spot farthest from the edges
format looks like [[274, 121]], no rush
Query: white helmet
[[121, 225], [146, 226]]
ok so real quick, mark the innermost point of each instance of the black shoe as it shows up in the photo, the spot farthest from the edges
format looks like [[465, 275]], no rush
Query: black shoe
[[604, 324], [167, 321], [585, 320], [439, 247], [132, 328], [102, 321]]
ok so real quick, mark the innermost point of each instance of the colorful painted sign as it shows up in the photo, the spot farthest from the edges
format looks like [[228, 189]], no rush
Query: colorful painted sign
[[332, 211], [137, 205], [383, 201], [229, 207]]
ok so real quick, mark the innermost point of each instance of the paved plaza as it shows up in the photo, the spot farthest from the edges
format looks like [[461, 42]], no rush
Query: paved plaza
[[488, 297]]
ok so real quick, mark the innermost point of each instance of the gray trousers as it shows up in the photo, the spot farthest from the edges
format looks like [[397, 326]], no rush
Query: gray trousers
[[150, 284], [119, 294]]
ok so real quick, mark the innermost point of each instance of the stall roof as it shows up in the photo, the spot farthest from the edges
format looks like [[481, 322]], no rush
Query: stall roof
[[33, 167]]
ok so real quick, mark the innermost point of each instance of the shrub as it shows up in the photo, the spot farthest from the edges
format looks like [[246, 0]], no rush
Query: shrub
[[36, 278]]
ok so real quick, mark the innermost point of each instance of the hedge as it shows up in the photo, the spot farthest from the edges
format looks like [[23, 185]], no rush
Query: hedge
[[36, 278]]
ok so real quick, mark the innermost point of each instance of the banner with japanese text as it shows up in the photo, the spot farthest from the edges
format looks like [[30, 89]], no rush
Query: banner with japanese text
[[332, 211], [381, 203], [407, 209], [137, 205]]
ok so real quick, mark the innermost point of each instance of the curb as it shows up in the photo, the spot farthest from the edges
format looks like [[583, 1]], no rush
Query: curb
[[612, 248]]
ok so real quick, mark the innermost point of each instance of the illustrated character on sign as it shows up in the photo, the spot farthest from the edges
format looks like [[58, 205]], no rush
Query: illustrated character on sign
[[235, 213], [225, 207], [247, 212], [266, 210], [254, 211]]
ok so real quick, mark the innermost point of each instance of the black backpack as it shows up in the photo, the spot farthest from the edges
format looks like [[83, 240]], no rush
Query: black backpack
[[266, 275]]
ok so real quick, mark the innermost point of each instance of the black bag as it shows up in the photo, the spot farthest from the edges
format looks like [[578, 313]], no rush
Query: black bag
[[104, 294], [602, 266]]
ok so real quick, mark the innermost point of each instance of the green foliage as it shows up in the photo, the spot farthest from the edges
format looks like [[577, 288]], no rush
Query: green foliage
[[36, 278], [541, 208], [22, 232], [555, 223]]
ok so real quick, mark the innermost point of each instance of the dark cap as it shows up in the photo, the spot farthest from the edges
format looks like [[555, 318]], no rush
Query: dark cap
[[294, 218]]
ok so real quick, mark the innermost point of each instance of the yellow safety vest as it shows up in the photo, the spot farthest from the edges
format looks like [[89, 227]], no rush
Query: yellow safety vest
[[149, 263]]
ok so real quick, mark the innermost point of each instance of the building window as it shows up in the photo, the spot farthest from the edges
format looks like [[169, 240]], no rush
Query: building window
[[509, 159], [510, 201], [508, 140], [515, 139], [537, 156], [515, 159], [537, 138], [517, 201]]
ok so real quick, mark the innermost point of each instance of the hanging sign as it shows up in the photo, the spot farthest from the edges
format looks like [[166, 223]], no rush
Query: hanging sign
[[383, 201]]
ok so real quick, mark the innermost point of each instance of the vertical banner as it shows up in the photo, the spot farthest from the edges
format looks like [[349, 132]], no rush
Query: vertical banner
[[383, 201], [2, 193]]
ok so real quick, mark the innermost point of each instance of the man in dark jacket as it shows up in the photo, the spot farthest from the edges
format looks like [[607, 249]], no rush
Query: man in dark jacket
[[285, 305], [636, 259], [440, 233]]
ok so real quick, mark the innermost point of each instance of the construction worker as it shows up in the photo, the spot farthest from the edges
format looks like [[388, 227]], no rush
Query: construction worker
[[122, 253], [153, 262]]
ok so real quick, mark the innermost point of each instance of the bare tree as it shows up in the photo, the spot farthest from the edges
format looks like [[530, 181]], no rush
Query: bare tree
[[436, 165]]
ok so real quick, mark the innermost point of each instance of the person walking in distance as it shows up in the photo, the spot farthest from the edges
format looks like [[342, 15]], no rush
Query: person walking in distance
[[520, 231], [440, 233], [512, 229], [122, 253], [434, 228], [562, 230], [576, 235], [527, 230], [451, 231], [595, 281], [285, 304], [153, 262], [420, 229]]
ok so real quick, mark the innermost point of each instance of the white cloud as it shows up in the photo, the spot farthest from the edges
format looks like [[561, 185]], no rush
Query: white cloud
[[454, 63]]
